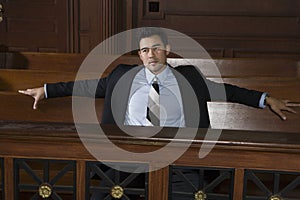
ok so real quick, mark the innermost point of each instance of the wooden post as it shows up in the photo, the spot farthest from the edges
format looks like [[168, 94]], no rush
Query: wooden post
[[158, 184], [8, 178], [80, 179], [238, 184]]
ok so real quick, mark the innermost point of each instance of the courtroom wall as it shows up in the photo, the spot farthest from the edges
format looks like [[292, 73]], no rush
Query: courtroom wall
[[230, 28], [226, 28]]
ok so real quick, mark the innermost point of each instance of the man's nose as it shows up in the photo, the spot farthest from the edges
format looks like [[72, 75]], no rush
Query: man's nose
[[151, 52]]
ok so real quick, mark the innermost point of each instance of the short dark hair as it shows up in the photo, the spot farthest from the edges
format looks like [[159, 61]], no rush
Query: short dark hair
[[150, 31]]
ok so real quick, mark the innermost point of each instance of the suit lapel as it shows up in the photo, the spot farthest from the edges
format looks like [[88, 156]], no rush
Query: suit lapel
[[121, 93], [189, 99]]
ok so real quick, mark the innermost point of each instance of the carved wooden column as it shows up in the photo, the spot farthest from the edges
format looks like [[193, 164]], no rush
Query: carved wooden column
[[99, 20]]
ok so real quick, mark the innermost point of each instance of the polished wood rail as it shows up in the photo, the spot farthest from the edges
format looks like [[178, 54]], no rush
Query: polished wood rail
[[237, 150]]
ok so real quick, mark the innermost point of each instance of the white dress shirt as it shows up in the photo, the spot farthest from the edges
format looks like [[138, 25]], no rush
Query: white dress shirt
[[171, 109]]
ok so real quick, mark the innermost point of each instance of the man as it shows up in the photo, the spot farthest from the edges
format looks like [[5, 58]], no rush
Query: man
[[153, 51]]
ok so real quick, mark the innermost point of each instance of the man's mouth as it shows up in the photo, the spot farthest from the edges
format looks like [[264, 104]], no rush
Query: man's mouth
[[153, 62]]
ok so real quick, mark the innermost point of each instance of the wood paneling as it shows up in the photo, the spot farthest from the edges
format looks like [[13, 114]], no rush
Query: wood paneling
[[233, 7], [99, 20], [230, 28], [225, 28], [42, 26]]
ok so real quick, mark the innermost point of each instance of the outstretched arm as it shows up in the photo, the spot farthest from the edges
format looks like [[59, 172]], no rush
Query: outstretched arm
[[36, 93], [251, 98], [277, 106], [87, 88]]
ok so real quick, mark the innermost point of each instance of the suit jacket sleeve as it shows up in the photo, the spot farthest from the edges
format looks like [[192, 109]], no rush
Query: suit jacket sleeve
[[213, 91], [88, 88], [233, 93], [94, 88]]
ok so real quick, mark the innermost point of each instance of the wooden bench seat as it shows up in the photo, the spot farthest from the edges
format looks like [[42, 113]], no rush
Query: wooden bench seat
[[280, 87], [64, 62], [17, 107], [242, 67], [59, 62], [241, 117], [13, 80], [279, 77]]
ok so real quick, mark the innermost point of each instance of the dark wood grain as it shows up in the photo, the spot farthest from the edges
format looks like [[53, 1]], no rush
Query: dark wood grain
[[234, 149], [250, 138]]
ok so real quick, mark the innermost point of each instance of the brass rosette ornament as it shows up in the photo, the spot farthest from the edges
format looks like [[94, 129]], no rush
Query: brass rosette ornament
[[45, 190], [117, 192], [275, 197], [200, 195]]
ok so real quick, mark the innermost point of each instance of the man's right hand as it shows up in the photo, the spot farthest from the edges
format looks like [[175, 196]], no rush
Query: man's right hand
[[36, 93]]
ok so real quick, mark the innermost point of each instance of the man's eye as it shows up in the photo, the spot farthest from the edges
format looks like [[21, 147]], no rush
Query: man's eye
[[158, 49]]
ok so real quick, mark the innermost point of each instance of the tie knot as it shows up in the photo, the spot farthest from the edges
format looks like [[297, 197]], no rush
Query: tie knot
[[155, 84]]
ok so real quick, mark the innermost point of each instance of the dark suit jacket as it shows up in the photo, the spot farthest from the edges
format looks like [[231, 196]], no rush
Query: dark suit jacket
[[188, 78]]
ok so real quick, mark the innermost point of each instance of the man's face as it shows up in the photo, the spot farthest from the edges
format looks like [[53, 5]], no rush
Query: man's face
[[154, 53]]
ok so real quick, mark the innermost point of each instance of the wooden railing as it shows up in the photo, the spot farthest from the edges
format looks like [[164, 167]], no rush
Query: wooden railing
[[236, 150]]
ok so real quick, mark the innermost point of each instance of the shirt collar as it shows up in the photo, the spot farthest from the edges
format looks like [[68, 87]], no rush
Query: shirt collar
[[161, 76]]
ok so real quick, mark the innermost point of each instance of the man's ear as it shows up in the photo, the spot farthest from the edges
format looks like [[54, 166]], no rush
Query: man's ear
[[168, 49]]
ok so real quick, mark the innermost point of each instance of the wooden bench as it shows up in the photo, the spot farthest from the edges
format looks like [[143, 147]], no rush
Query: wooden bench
[[58, 62], [19, 107], [30, 134], [250, 73], [16, 107], [227, 67]]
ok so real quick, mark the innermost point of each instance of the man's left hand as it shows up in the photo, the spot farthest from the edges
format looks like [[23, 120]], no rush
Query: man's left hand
[[277, 106]]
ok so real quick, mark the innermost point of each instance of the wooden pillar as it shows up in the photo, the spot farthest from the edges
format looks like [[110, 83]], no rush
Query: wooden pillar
[[158, 184], [99, 20], [238, 184], [80, 179], [9, 178], [113, 21]]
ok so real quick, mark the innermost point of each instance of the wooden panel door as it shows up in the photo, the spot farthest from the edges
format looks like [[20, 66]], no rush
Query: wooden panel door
[[37, 25]]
